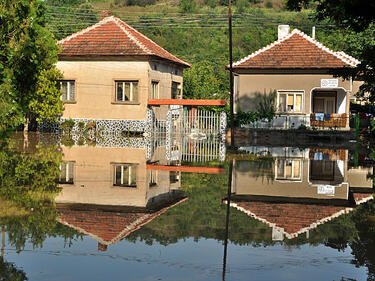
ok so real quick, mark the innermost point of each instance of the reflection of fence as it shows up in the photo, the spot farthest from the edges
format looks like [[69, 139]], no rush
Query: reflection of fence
[[199, 121], [202, 150], [318, 121]]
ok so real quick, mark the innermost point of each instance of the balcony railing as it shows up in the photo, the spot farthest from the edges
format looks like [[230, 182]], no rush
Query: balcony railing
[[329, 120]]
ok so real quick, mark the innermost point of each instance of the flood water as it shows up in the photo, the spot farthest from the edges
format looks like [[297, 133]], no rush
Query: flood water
[[132, 208]]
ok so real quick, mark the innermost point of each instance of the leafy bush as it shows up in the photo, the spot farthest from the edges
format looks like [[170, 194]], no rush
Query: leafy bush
[[67, 126]]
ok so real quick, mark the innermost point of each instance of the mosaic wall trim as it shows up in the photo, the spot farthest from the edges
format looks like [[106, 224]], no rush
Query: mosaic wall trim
[[103, 126]]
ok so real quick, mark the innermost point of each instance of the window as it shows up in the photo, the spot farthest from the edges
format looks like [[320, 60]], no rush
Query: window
[[288, 169], [176, 90], [68, 88], [153, 177], [155, 90], [127, 91], [174, 176], [66, 173], [289, 101], [125, 175]]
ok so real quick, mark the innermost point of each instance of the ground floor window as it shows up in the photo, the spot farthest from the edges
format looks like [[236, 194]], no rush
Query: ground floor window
[[290, 101], [127, 91], [288, 169], [125, 175]]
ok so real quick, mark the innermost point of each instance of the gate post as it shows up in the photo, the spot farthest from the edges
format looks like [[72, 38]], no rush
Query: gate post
[[223, 122], [168, 128]]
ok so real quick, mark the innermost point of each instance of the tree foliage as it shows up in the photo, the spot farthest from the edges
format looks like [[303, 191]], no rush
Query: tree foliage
[[27, 48]]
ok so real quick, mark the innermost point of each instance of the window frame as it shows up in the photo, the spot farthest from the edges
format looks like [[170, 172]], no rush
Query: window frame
[[67, 173], [68, 94], [131, 165], [131, 81], [153, 82], [294, 92], [179, 87], [286, 178]]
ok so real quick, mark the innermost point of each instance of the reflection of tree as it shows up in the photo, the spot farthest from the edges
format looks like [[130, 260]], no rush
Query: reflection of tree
[[363, 247], [28, 183], [8, 272]]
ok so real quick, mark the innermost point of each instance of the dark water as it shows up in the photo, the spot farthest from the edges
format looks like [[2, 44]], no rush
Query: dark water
[[137, 209]]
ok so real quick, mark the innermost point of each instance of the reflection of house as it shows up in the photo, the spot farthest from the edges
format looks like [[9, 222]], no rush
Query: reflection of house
[[110, 72], [297, 190], [297, 67], [108, 193]]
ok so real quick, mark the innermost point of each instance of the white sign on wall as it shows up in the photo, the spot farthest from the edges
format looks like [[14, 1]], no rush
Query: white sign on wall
[[329, 83]]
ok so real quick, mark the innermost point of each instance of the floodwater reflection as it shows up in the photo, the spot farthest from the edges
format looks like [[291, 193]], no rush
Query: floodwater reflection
[[176, 211]]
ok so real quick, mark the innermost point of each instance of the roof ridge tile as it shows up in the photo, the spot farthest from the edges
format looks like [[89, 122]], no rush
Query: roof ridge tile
[[119, 23]]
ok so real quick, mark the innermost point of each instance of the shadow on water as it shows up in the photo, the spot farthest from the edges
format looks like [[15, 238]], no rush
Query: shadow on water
[[162, 192]]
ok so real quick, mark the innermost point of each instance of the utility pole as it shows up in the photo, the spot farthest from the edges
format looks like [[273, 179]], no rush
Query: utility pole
[[231, 75]]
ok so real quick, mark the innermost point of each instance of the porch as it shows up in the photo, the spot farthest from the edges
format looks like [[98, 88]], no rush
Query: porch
[[329, 108]]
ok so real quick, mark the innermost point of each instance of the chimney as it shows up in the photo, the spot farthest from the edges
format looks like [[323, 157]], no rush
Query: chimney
[[313, 32], [106, 13], [102, 247], [283, 30]]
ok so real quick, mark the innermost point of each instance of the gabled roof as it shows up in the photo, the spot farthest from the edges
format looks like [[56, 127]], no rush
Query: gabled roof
[[292, 218], [113, 37], [108, 227], [296, 51]]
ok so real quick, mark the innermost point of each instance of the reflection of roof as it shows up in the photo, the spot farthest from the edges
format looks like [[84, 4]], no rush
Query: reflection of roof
[[360, 198], [296, 50], [292, 218], [113, 37], [107, 227]]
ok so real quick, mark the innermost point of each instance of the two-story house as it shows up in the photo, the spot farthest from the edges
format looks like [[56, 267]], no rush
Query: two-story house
[[110, 72]]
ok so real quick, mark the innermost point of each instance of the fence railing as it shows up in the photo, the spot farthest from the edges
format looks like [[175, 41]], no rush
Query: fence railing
[[195, 121], [317, 121]]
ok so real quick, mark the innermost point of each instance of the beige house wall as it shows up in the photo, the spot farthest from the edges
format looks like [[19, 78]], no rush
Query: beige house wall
[[164, 74], [94, 174], [95, 87], [245, 183], [247, 84]]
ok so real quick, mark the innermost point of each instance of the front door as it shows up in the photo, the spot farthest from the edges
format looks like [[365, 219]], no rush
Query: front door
[[324, 102]]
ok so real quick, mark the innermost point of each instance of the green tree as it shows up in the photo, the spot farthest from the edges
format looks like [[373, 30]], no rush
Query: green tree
[[200, 82], [352, 17], [27, 49]]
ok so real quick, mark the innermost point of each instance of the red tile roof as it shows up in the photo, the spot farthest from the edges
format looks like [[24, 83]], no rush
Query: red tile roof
[[113, 37], [296, 51], [107, 227], [360, 198], [292, 218]]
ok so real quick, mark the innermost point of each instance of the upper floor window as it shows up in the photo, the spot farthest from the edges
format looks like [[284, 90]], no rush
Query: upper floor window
[[66, 173], [176, 90], [125, 175], [68, 88], [153, 177], [289, 101], [127, 91], [154, 90]]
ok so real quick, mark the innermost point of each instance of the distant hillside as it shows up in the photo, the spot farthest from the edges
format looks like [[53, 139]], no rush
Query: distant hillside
[[196, 31]]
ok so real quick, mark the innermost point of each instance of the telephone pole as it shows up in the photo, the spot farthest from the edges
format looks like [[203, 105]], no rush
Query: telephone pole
[[231, 75]]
